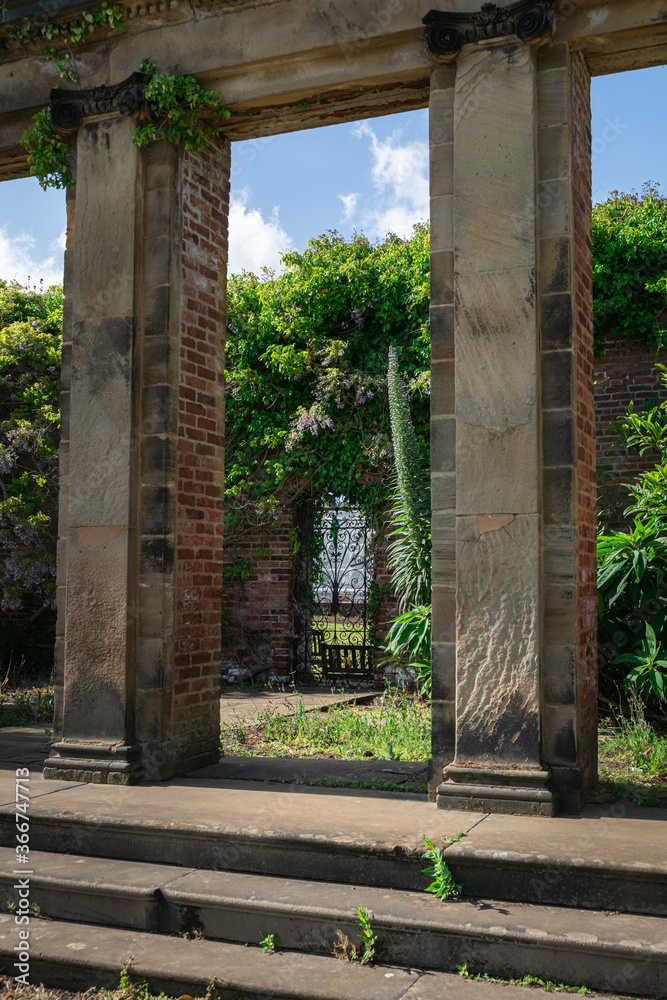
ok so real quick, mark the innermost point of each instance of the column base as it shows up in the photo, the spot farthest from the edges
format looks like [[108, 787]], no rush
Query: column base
[[99, 763], [498, 790]]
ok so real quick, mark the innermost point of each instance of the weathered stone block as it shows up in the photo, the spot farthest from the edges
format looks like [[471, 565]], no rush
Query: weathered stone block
[[443, 491], [443, 625], [497, 471], [104, 234], [441, 177], [559, 615], [554, 207], [494, 165], [498, 643], [101, 422], [557, 437], [443, 727], [443, 444], [553, 95], [443, 670], [553, 151], [558, 494], [441, 112], [560, 743], [556, 379], [157, 301], [153, 666], [158, 509], [559, 675], [442, 388], [158, 204], [159, 409], [442, 227], [556, 312], [99, 627], [442, 332], [442, 277], [157, 260]]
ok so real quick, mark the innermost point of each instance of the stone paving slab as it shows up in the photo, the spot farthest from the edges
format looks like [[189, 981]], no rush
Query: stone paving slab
[[247, 703], [299, 769]]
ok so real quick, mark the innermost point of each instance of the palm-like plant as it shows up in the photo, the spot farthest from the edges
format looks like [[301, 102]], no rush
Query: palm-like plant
[[410, 536]]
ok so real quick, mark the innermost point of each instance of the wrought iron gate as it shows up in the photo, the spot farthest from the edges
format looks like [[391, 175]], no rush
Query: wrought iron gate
[[334, 634]]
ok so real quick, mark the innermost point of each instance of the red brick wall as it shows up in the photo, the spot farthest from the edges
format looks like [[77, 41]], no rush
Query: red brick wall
[[585, 413], [200, 466], [624, 373], [257, 610]]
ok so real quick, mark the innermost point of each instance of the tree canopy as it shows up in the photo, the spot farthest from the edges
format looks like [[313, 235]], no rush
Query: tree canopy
[[30, 346], [307, 350], [629, 266]]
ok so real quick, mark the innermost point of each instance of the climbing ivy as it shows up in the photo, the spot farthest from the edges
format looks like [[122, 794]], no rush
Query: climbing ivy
[[178, 107]]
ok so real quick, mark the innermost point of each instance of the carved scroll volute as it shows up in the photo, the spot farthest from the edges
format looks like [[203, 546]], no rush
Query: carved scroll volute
[[70, 107], [447, 33]]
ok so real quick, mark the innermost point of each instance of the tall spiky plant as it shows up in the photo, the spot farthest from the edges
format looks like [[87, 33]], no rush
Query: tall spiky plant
[[410, 546]]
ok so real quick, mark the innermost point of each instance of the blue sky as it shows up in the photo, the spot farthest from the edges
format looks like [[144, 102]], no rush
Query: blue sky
[[370, 176]]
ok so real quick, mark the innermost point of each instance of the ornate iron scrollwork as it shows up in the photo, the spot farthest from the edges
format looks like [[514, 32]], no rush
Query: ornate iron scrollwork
[[70, 107], [447, 33]]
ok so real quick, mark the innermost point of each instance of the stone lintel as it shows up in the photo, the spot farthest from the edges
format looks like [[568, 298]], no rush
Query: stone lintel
[[524, 791]]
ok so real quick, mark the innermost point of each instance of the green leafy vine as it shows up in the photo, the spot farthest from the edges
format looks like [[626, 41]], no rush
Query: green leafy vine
[[181, 111]]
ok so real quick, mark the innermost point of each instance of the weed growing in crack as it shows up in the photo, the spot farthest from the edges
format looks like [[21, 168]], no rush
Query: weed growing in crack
[[443, 885], [268, 943]]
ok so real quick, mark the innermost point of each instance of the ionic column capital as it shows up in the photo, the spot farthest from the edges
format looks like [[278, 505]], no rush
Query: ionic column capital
[[525, 21], [70, 107]]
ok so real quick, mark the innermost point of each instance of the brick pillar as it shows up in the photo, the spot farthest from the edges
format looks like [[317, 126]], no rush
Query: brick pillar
[[140, 588], [519, 694], [568, 424]]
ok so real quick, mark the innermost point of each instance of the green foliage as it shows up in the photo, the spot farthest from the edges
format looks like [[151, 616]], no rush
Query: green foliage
[[47, 154], [26, 706], [548, 985], [367, 937], [30, 343], [181, 110], [630, 264], [632, 570], [632, 608], [306, 372], [443, 885], [410, 546], [408, 644], [268, 943], [398, 728]]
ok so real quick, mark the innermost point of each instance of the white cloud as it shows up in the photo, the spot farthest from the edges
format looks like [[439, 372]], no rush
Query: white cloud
[[254, 242], [20, 260], [399, 172], [350, 202]]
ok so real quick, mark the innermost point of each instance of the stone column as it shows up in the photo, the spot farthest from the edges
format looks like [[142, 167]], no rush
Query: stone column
[[506, 611], [141, 508]]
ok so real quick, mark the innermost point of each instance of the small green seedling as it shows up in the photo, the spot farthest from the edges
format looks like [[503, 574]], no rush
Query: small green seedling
[[367, 937], [268, 943], [443, 884]]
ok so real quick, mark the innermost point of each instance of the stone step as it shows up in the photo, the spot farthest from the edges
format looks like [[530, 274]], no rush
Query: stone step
[[610, 862], [414, 929], [76, 956], [609, 858]]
